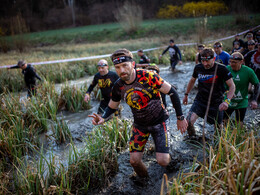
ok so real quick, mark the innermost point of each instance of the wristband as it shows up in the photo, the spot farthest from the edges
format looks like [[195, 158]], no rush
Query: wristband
[[186, 94], [227, 101]]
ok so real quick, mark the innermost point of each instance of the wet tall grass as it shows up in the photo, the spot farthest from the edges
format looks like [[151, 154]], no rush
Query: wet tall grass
[[89, 168], [22, 121], [12, 79], [57, 73], [72, 98], [233, 166]]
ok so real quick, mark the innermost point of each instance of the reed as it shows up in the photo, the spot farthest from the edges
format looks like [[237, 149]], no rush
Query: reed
[[97, 163], [233, 166], [72, 98], [89, 168]]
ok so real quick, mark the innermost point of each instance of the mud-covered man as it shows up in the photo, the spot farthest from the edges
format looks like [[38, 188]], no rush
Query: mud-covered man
[[209, 73], [105, 80], [30, 76], [140, 89]]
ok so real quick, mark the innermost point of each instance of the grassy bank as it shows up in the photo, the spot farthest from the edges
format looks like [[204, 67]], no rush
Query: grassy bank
[[63, 44], [233, 166], [149, 28]]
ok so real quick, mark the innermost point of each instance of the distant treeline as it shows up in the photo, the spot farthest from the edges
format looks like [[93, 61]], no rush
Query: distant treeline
[[44, 15]]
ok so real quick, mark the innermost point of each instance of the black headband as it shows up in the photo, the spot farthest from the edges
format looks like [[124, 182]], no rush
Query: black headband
[[206, 58], [122, 59], [235, 58]]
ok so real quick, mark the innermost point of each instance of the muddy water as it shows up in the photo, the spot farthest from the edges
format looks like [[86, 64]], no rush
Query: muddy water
[[184, 152]]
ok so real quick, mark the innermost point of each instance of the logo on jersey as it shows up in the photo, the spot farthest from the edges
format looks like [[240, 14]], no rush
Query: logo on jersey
[[207, 78], [238, 96], [237, 78], [220, 61], [137, 98], [172, 52], [102, 83], [256, 58]]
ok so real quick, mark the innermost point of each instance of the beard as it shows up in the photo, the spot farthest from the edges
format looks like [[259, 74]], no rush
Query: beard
[[124, 76]]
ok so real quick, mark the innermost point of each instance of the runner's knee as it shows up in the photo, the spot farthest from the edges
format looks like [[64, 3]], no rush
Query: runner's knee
[[135, 160], [163, 160]]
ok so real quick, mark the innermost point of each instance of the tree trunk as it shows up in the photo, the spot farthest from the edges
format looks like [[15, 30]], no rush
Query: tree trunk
[[71, 5]]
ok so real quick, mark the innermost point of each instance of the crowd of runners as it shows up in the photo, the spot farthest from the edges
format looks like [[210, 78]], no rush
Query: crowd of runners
[[227, 82]]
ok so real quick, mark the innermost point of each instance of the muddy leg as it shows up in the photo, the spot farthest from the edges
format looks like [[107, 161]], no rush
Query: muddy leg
[[191, 119], [137, 164]]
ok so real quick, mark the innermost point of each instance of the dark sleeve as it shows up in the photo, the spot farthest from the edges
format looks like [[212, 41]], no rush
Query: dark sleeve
[[37, 76], [242, 43], [175, 101], [14, 67], [33, 72], [179, 52], [247, 58], [116, 93], [195, 72], [165, 50], [92, 85], [224, 72]]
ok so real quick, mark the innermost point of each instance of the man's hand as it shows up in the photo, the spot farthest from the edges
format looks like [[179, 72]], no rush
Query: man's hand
[[160, 56], [185, 100], [87, 97], [223, 106], [97, 119], [180, 62], [253, 104], [182, 125]]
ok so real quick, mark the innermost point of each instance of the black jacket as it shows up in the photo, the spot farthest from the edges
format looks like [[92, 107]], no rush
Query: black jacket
[[29, 75]]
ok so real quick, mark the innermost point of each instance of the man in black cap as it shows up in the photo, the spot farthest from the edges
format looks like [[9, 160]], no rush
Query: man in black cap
[[30, 76], [174, 51], [105, 80]]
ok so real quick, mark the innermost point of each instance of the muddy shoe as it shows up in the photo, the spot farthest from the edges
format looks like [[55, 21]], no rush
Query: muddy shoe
[[139, 181], [175, 163], [191, 138], [191, 130]]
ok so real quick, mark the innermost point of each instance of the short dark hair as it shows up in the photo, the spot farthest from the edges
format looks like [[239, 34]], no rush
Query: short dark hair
[[207, 52], [201, 45], [140, 50], [218, 43], [171, 41], [21, 62]]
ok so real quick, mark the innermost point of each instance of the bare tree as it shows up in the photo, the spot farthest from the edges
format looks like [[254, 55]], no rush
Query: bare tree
[[70, 4]]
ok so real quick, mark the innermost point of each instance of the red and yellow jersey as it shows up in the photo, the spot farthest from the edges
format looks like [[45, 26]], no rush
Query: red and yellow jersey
[[143, 97]]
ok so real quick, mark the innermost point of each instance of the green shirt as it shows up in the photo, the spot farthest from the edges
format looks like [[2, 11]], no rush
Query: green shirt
[[242, 78]]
